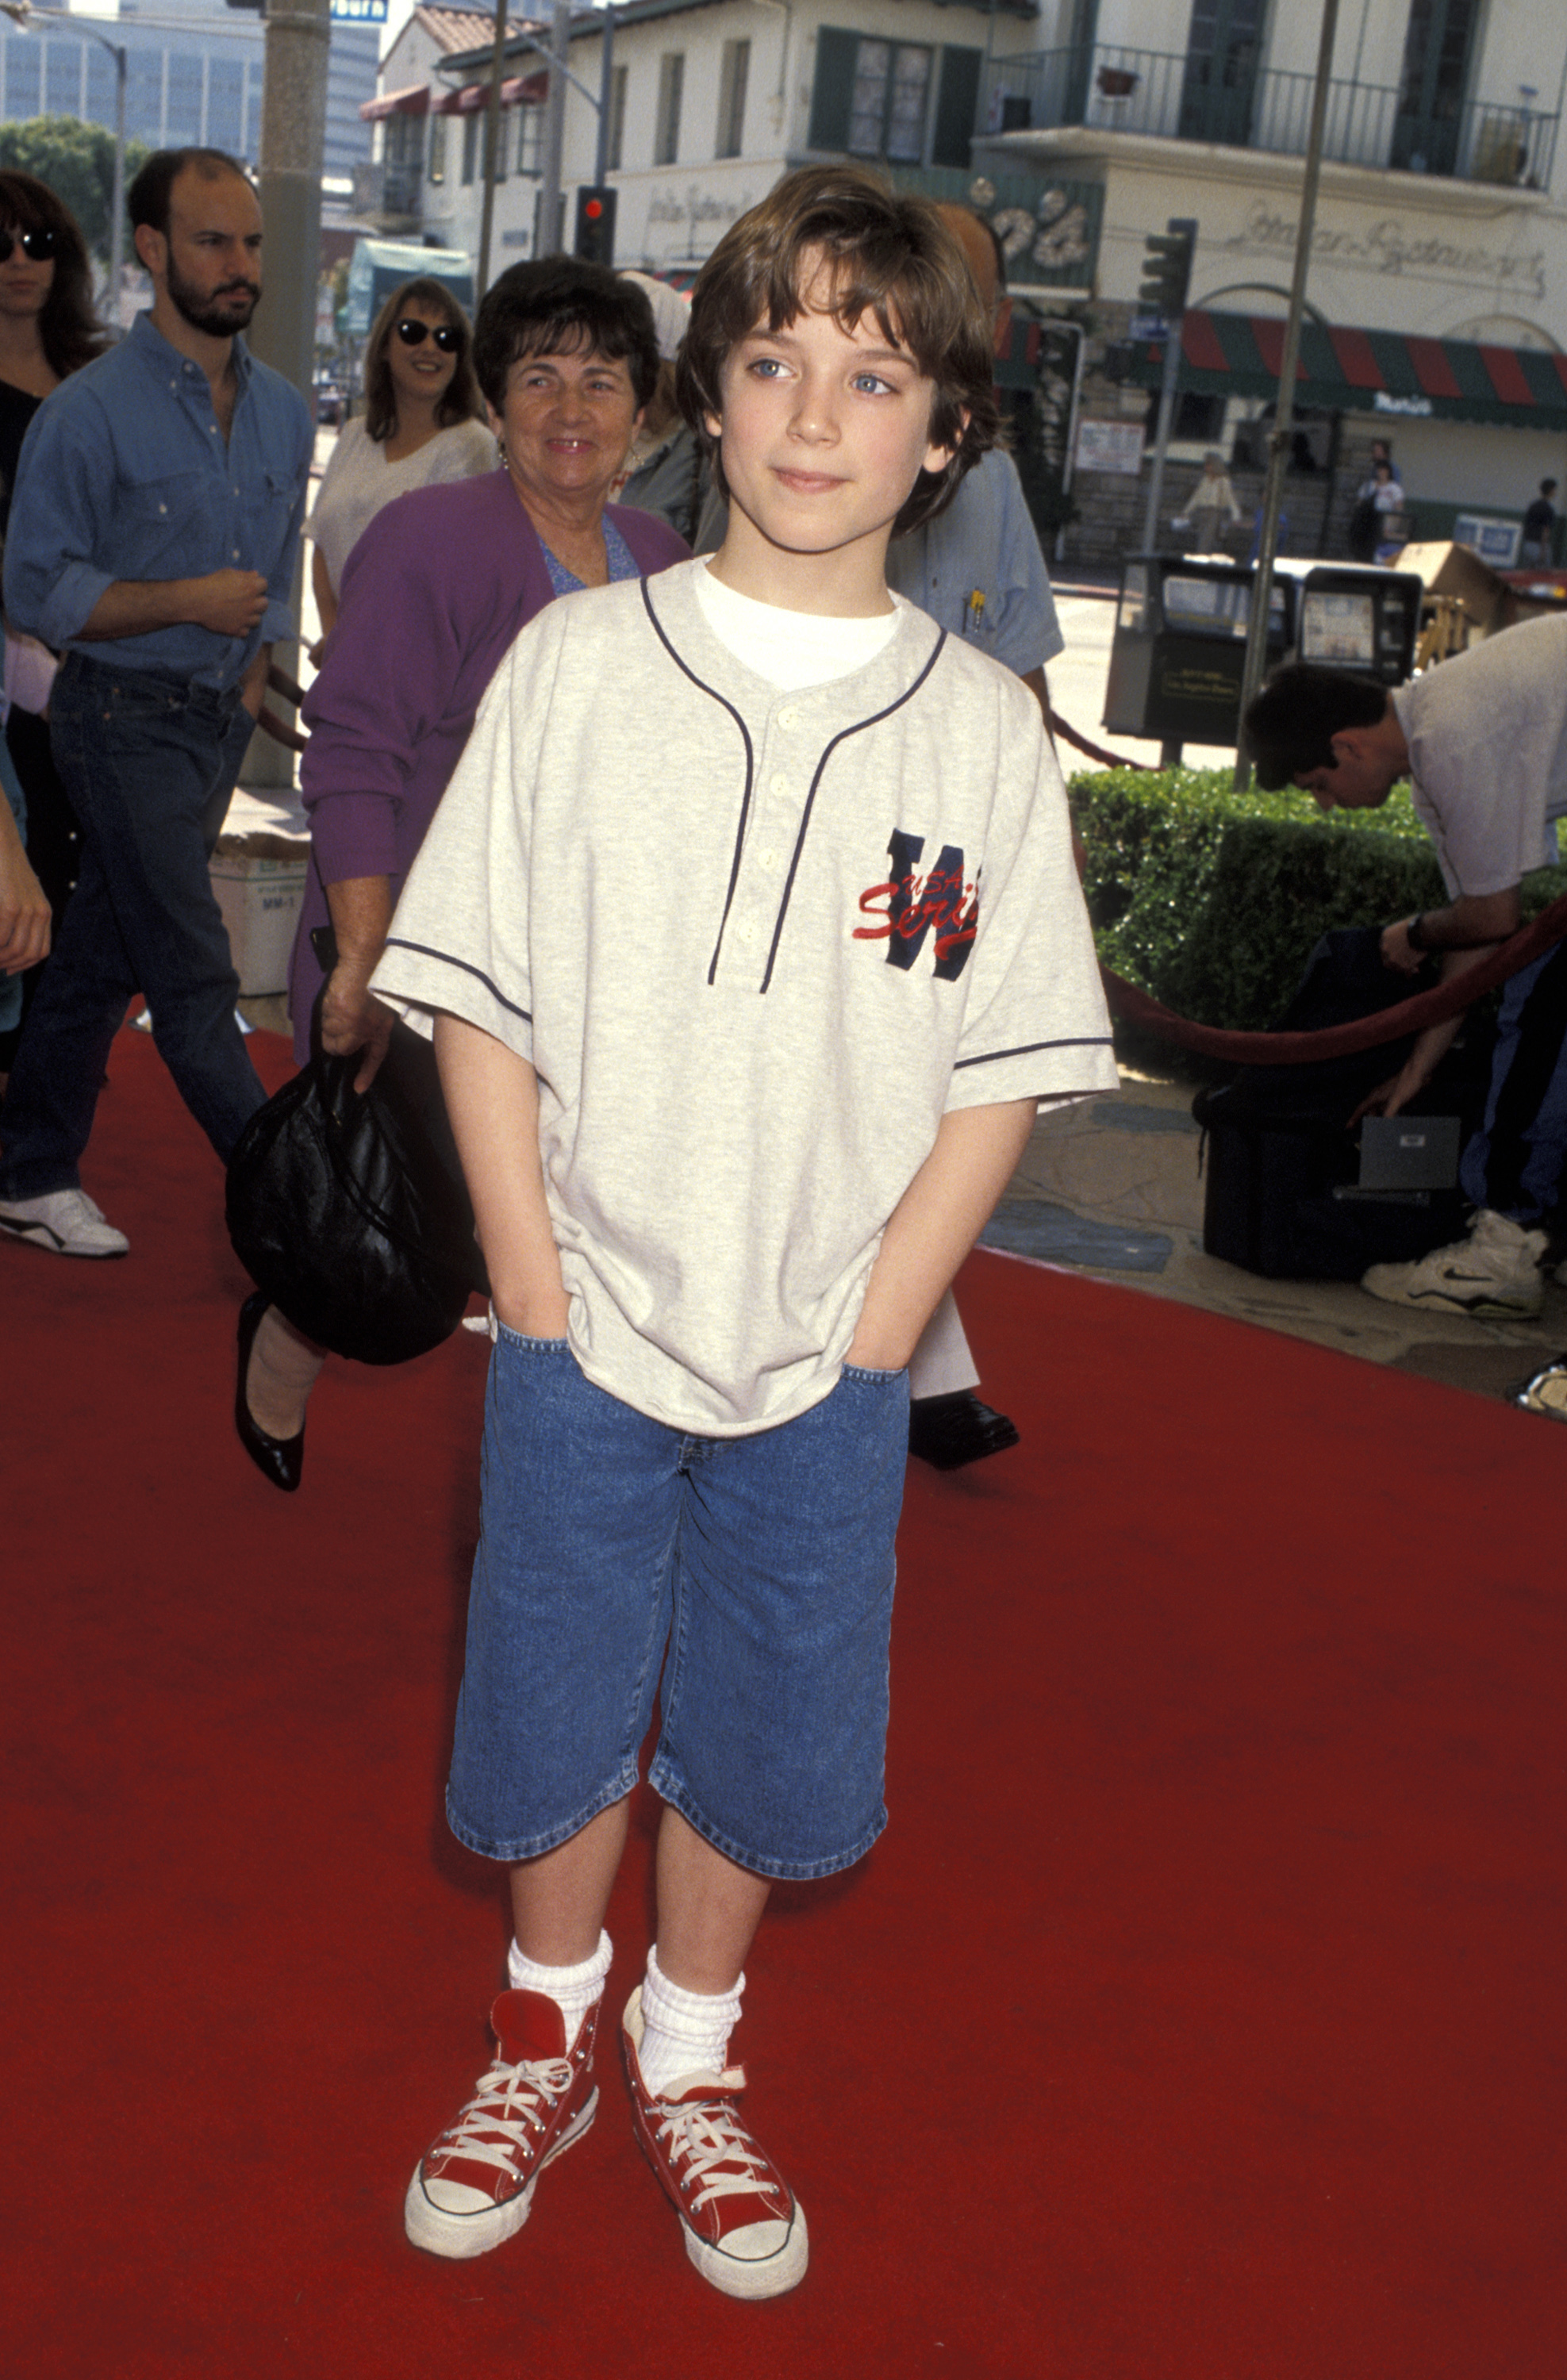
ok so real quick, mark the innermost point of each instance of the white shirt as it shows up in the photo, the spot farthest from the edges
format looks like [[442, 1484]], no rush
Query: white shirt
[[791, 648], [756, 942], [1487, 754], [359, 481]]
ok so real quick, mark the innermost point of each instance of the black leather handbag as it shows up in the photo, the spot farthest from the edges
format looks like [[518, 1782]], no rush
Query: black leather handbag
[[349, 1209]]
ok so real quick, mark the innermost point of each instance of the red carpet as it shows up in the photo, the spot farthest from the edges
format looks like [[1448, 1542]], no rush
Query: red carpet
[[1227, 1739]]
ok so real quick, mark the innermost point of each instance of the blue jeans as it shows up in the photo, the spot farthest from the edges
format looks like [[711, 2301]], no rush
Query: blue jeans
[[1513, 1163], [754, 1574], [150, 764]]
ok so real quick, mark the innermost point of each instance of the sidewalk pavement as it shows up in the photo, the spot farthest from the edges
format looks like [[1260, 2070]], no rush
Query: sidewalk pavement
[[1113, 1187]]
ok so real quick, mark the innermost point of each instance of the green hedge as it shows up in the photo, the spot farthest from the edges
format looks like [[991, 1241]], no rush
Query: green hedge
[[1211, 900]]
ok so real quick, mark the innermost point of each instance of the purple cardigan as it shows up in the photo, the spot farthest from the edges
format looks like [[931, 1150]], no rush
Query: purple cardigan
[[433, 594]]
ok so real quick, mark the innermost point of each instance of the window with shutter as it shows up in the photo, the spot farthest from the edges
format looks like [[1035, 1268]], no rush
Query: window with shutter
[[666, 132], [957, 105], [872, 97], [832, 91], [733, 72]]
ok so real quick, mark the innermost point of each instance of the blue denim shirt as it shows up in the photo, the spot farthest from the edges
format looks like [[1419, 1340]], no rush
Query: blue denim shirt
[[977, 569], [124, 475]]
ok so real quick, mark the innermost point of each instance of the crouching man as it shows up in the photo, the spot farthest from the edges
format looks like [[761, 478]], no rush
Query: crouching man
[[1483, 740]]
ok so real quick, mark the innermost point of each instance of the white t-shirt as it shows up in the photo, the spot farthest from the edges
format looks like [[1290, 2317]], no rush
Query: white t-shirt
[[1487, 754], [359, 481], [791, 648], [756, 941]]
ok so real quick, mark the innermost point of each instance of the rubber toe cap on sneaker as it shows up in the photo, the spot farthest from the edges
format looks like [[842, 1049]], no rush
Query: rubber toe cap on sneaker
[[461, 2232], [760, 2260], [456, 2197]]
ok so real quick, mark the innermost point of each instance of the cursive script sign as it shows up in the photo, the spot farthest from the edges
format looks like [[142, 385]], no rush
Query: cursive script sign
[[1388, 247]]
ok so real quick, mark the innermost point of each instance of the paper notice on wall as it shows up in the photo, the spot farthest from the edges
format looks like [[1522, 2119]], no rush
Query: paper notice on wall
[[1111, 446]]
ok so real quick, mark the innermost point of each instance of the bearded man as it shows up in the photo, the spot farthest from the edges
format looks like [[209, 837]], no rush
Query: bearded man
[[153, 532]]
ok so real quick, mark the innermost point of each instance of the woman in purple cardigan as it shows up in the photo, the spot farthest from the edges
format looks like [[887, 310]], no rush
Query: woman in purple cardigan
[[432, 595]]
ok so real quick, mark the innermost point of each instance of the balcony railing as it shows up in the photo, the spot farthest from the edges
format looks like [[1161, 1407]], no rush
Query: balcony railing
[[1228, 100]]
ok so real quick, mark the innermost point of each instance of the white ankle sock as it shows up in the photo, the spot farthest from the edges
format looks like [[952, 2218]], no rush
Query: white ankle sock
[[687, 2033], [573, 1989]]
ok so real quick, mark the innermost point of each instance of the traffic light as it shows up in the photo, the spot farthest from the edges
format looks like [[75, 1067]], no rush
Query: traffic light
[[595, 223], [1167, 273]]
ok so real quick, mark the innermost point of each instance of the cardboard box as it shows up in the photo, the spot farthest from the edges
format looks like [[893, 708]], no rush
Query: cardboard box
[[260, 900], [1448, 569]]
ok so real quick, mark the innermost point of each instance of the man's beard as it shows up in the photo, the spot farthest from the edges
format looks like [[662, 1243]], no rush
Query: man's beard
[[221, 314]]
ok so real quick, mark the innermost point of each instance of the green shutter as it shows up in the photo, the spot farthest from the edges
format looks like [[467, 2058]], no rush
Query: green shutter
[[957, 103], [832, 99]]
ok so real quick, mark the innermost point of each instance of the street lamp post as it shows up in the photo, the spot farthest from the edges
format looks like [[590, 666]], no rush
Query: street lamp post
[[21, 13]]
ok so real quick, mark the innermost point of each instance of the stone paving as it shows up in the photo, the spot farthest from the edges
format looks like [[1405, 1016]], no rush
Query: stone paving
[[1113, 1187]]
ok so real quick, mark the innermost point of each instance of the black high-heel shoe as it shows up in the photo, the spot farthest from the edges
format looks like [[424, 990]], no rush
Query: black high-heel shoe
[[281, 1460]]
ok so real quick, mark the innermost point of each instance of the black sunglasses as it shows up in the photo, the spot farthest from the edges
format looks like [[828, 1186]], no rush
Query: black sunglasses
[[447, 336], [39, 245]]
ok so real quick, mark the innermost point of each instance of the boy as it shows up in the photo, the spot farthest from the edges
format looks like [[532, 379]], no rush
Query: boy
[[753, 940]]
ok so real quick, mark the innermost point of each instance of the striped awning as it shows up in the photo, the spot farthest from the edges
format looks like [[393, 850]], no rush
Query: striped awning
[[412, 100], [1390, 373], [517, 90]]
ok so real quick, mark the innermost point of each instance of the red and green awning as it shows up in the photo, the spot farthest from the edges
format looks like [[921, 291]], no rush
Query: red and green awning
[[1386, 372]]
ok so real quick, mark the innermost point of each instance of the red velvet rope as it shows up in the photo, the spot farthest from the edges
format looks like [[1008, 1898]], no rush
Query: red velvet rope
[[1095, 751], [1135, 1007]]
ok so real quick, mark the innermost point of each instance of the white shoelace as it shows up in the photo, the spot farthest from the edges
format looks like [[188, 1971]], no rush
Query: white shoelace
[[512, 2101], [706, 2134]]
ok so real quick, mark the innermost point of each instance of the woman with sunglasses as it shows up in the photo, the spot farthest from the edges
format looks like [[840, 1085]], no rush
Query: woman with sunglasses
[[48, 330], [420, 425], [432, 596]]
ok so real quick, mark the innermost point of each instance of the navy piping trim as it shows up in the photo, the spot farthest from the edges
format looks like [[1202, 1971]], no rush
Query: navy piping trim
[[1028, 1049], [875, 721], [423, 951], [750, 766]]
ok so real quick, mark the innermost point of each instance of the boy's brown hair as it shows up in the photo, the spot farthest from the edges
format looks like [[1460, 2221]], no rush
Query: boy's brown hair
[[891, 257]]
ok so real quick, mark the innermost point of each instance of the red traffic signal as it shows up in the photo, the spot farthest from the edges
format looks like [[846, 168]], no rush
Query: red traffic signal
[[595, 223]]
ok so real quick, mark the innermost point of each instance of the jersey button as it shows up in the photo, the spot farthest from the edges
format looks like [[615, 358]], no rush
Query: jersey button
[[778, 782], [789, 718]]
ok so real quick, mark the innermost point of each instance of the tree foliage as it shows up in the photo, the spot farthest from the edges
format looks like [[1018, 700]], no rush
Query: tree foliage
[[77, 160]]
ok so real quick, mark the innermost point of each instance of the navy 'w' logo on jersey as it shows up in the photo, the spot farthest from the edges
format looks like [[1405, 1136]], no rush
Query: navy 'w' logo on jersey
[[915, 903]]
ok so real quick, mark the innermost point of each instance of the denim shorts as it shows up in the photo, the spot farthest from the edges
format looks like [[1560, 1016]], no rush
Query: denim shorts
[[746, 1581]]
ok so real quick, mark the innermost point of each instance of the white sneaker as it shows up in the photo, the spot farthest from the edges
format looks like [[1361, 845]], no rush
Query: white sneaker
[[1495, 1271], [1545, 1394], [66, 1222]]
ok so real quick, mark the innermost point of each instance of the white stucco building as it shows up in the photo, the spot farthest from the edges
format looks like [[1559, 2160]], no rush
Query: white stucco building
[[1438, 282]]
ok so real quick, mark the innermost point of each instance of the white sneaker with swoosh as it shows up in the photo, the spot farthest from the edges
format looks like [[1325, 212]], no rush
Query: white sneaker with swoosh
[[1494, 1273]]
